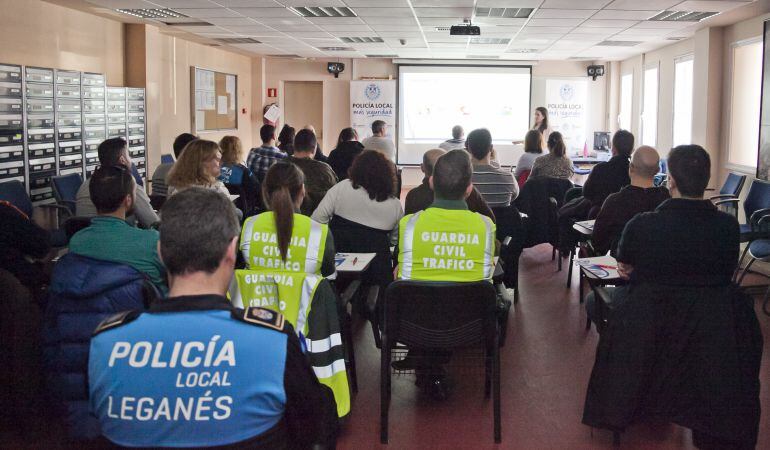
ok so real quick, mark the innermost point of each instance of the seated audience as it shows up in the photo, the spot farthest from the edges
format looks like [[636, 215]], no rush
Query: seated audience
[[281, 238], [114, 152], [379, 142], [261, 158], [348, 147], [237, 178], [159, 185], [533, 147], [496, 185], [555, 164], [368, 197], [686, 241], [109, 237], [319, 154], [319, 177], [286, 140], [22, 241], [199, 165], [609, 177], [262, 391], [418, 258], [639, 196], [457, 142], [422, 197]]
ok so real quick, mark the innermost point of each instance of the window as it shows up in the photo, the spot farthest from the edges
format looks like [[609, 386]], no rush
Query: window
[[683, 79], [650, 107], [744, 105], [626, 97]]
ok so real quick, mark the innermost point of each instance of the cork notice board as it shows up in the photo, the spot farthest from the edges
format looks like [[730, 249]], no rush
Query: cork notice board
[[214, 100]]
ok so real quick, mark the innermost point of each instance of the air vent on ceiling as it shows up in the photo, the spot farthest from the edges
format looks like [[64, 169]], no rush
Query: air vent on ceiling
[[153, 13], [584, 58], [442, 28], [195, 23], [675, 38], [361, 40], [335, 49], [237, 40], [381, 56], [681, 16], [618, 43], [213, 45], [284, 56], [505, 13], [323, 11], [523, 50], [491, 41], [482, 56]]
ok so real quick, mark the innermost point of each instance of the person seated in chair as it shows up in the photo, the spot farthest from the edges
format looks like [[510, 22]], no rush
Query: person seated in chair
[[445, 242], [319, 177], [282, 239], [114, 152], [421, 197], [159, 184], [639, 196], [109, 237], [22, 241], [496, 185], [457, 142], [235, 377], [686, 241], [238, 178]]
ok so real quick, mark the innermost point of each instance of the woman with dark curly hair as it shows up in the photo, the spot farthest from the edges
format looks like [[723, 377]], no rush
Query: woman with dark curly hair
[[368, 197]]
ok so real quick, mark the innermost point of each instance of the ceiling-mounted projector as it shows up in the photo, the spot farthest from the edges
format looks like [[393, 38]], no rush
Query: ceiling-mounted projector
[[464, 30]]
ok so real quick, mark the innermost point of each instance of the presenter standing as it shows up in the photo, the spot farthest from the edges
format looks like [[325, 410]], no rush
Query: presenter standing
[[541, 124]]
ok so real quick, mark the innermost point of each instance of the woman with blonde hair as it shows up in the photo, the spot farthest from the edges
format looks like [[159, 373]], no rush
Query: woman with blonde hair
[[198, 165], [237, 177]]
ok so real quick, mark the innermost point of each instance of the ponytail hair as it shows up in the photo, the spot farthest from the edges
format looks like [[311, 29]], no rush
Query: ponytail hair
[[281, 189], [556, 145]]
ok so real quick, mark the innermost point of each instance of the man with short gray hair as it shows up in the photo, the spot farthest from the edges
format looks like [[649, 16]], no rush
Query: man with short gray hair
[[457, 142], [639, 196]]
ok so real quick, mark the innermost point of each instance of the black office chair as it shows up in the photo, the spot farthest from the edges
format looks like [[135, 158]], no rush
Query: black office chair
[[65, 190], [731, 189], [511, 231], [435, 315], [14, 193], [755, 207]]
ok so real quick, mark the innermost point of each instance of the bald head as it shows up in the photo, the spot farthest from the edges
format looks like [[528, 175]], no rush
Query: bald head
[[429, 160], [645, 162]]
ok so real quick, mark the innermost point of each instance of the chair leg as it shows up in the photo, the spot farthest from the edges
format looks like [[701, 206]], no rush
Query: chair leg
[[553, 253], [496, 390], [560, 258], [487, 374], [351, 355], [740, 261], [569, 269], [745, 271], [384, 390], [580, 282]]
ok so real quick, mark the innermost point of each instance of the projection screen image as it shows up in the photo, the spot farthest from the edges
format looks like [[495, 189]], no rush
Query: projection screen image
[[432, 99]]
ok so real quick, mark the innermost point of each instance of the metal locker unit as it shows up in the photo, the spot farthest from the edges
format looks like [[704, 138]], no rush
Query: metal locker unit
[[135, 111], [40, 136], [116, 113], [11, 124], [69, 122], [94, 117]]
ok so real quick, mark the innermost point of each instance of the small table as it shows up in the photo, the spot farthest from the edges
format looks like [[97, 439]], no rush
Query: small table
[[600, 271], [585, 227]]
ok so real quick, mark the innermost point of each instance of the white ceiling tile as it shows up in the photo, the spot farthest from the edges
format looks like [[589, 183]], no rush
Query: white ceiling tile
[[207, 12], [311, 2], [544, 30], [265, 12], [248, 29], [663, 25], [185, 3], [498, 21], [311, 34], [440, 21], [554, 22], [293, 28], [374, 3], [196, 30], [247, 3], [288, 22], [226, 21], [708, 6], [563, 13], [509, 3], [387, 27], [593, 23], [346, 28], [443, 12], [610, 30], [122, 4], [410, 43], [616, 14], [442, 3], [435, 45], [395, 21], [575, 4], [383, 12], [397, 34], [646, 4], [336, 20]]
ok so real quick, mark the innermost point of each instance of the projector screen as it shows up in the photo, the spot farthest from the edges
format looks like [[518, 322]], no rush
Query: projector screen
[[433, 99]]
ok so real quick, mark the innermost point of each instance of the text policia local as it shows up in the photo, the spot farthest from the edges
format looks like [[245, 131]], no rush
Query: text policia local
[[213, 357]]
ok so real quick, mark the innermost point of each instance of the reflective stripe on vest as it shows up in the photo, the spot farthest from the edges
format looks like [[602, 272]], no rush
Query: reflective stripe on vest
[[446, 245], [259, 244], [293, 295]]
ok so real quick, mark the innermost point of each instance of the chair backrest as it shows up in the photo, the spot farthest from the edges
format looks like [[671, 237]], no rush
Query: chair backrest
[[167, 158], [733, 184], [14, 193], [663, 165], [75, 224], [425, 314], [137, 175], [352, 237], [65, 189], [757, 198]]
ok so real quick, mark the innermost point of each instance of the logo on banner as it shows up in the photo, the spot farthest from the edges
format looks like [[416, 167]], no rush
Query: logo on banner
[[372, 91], [567, 92]]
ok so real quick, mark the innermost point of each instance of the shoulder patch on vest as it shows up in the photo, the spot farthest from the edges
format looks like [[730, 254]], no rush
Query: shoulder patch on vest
[[117, 320], [263, 317]]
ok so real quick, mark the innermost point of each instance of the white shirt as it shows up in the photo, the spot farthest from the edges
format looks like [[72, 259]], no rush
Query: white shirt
[[355, 205], [382, 145]]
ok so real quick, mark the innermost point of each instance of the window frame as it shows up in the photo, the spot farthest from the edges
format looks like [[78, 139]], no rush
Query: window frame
[[630, 101], [645, 69], [678, 60], [741, 168]]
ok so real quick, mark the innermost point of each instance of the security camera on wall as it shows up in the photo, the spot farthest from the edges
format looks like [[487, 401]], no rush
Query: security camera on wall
[[335, 68], [594, 71]]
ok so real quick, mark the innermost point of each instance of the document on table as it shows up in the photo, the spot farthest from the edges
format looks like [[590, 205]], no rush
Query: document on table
[[353, 262], [587, 224], [604, 267]]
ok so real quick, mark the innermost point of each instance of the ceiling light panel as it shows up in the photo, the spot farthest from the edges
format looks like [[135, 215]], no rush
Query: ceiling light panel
[[504, 13], [489, 41], [152, 13], [362, 40], [323, 11], [682, 16], [258, 13], [384, 12]]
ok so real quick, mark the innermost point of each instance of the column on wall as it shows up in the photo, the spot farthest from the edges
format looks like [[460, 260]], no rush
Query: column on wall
[[707, 98]]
